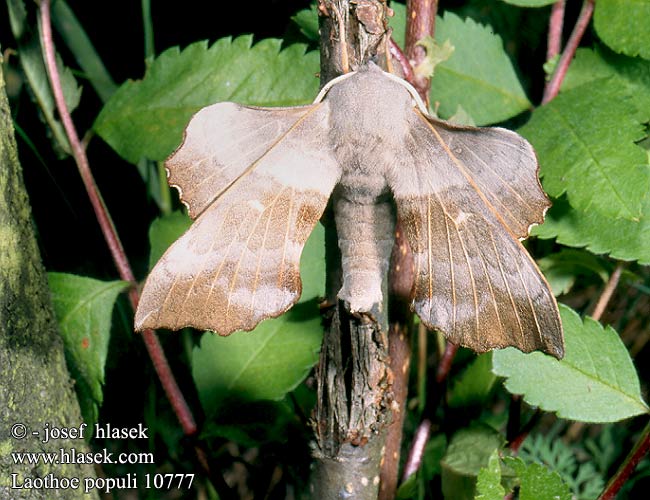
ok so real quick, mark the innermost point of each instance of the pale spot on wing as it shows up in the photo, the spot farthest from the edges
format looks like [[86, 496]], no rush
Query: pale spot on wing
[[461, 218], [256, 205]]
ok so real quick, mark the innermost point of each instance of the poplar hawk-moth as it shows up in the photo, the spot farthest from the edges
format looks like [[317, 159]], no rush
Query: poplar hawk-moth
[[257, 180]]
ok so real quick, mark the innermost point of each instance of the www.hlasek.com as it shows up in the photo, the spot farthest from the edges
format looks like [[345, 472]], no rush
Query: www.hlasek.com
[[70, 455]]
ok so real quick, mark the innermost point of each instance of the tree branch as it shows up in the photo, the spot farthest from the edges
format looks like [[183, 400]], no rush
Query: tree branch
[[152, 343], [627, 467], [556, 24], [553, 86], [354, 398], [420, 23]]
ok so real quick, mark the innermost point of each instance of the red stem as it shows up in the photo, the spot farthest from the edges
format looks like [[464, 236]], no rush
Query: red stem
[[401, 58], [556, 23], [420, 22], [608, 291], [553, 86], [627, 467], [445, 362], [151, 341], [417, 449]]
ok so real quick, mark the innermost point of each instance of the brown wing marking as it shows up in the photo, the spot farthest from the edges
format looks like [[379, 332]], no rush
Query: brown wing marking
[[222, 142], [501, 165], [247, 243], [474, 280]]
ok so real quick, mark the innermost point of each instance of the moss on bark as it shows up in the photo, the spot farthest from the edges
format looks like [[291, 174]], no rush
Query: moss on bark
[[35, 386]]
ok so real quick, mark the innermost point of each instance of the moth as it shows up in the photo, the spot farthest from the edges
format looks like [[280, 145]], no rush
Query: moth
[[257, 180]]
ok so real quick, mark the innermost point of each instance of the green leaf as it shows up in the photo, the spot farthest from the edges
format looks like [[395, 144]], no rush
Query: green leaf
[[595, 382], [274, 358], [434, 450], [398, 22], [623, 25], [468, 452], [146, 118], [251, 424], [436, 54], [621, 238], [530, 3], [164, 231], [31, 61], [408, 489], [561, 269], [475, 384], [583, 479], [307, 21], [631, 76], [83, 307], [537, 482], [478, 76], [585, 139], [488, 484], [72, 32], [461, 117]]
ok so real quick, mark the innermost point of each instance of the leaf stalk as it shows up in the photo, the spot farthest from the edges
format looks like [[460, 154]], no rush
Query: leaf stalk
[[150, 338], [553, 86]]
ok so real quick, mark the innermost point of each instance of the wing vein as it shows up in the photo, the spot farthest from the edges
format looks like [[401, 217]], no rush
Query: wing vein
[[286, 237], [466, 174], [235, 274], [471, 276], [254, 163], [260, 252], [505, 282]]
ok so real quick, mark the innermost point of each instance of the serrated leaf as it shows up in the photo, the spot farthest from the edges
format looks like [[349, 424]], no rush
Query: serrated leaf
[[478, 76], [146, 118], [274, 358], [583, 479], [488, 484], [468, 452], [582, 154], [307, 21], [623, 25], [537, 482], [631, 76], [595, 382], [83, 307], [475, 384], [620, 238], [164, 231], [31, 57]]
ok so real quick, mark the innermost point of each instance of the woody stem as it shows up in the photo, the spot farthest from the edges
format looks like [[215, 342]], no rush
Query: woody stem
[[152, 343]]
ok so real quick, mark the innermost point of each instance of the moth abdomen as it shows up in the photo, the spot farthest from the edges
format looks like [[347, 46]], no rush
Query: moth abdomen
[[366, 236]]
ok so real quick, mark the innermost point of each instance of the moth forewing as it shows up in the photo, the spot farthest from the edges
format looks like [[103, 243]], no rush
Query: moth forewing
[[239, 261], [258, 179]]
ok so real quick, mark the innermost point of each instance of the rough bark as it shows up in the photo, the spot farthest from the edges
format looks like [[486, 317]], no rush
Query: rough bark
[[354, 397], [420, 22], [35, 386]]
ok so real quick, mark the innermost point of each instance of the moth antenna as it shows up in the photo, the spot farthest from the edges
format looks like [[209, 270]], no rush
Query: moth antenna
[[330, 84]]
